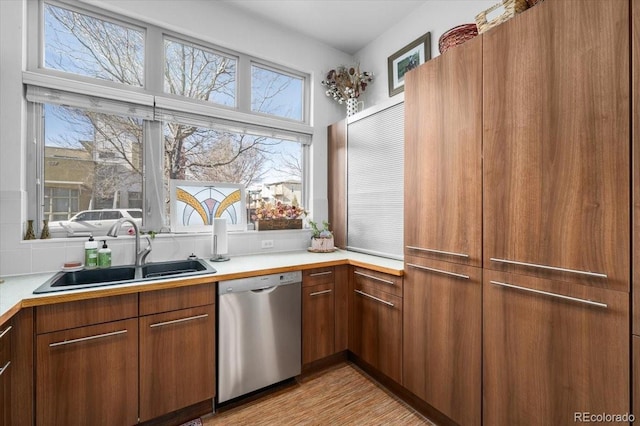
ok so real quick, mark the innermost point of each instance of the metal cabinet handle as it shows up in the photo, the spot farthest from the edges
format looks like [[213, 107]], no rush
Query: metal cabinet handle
[[551, 268], [374, 298], [195, 317], [2, 370], [317, 293], [84, 339], [448, 253], [5, 331], [317, 274], [439, 271], [546, 293], [374, 278]]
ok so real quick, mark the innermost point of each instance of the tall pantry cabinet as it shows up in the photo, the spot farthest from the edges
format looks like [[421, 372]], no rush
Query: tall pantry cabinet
[[442, 316], [533, 278], [556, 213]]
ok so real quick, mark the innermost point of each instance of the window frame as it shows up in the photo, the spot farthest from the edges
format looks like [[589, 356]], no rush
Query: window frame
[[149, 95]]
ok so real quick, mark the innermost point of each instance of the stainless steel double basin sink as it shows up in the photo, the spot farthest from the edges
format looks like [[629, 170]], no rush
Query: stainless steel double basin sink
[[88, 278]]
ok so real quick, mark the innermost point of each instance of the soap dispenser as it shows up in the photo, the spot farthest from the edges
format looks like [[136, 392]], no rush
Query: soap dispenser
[[104, 256], [91, 253]]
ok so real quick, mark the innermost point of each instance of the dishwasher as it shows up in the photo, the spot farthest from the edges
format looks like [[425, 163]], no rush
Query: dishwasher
[[259, 332]]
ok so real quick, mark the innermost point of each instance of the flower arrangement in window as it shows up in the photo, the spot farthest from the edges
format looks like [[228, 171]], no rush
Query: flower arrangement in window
[[278, 210], [344, 83]]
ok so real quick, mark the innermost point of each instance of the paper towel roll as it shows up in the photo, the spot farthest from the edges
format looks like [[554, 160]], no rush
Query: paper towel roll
[[219, 233]]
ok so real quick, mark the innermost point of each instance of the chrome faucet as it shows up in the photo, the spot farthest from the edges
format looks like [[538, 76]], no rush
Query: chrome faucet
[[141, 255]]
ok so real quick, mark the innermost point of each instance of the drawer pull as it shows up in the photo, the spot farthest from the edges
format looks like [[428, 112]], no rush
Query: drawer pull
[[318, 293], [374, 298], [195, 317], [317, 274], [546, 293], [374, 278], [2, 370], [551, 268], [439, 271], [5, 331], [448, 253], [84, 339]]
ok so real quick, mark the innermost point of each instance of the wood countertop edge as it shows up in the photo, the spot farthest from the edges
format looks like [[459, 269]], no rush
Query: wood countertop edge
[[97, 292]]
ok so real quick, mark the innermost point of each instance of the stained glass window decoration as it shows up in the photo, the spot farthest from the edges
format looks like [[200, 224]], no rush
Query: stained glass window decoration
[[194, 205]]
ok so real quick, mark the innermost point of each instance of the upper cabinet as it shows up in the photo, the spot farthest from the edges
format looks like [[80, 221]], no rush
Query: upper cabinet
[[556, 143], [443, 157]]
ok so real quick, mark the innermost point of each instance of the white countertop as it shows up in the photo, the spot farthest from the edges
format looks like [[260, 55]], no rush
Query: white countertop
[[17, 291]]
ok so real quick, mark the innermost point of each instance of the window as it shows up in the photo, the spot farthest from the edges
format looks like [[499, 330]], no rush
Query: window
[[78, 139], [199, 73], [119, 108], [81, 44], [276, 93]]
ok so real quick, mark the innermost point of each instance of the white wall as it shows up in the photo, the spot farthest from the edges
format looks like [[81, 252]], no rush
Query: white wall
[[218, 23], [206, 20], [435, 16]]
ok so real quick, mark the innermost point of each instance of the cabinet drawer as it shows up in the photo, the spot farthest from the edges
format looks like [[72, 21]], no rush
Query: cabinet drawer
[[172, 299], [377, 281], [318, 276], [80, 313], [5, 343]]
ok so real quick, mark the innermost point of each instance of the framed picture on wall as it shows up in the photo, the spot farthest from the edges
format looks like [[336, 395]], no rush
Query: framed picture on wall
[[406, 59]]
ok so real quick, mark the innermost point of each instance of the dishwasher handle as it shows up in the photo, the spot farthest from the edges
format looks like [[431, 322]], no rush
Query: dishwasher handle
[[266, 289]]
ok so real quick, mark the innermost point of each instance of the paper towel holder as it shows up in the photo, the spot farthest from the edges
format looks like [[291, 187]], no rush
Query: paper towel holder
[[219, 240]]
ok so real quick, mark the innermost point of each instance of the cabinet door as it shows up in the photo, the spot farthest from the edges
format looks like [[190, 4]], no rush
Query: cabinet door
[[318, 322], [376, 333], [5, 373], [442, 337], [552, 349], [337, 181], [635, 144], [443, 163], [88, 375], [177, 360], [556, 143]]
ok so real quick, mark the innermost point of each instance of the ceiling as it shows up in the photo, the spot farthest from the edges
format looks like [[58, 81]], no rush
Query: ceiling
[[347, 25]]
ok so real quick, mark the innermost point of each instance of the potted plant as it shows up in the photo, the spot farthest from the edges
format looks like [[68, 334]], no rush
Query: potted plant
[[321, 239]]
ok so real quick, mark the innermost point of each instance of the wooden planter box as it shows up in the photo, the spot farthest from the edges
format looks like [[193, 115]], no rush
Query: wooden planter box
[[278, 224]]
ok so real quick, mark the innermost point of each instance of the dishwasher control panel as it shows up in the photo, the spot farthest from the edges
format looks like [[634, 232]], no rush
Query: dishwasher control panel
[[259, 283]]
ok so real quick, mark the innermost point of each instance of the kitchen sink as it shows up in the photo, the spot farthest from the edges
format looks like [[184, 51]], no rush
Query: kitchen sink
[[114, 275]]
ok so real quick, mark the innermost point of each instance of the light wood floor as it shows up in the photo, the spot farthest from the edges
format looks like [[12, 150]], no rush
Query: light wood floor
[[341, 396]]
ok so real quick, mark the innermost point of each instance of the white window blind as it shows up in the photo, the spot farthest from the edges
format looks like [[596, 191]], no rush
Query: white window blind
[[375, 183]]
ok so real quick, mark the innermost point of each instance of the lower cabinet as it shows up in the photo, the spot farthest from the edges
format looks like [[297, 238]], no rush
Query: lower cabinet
[[177, 360], [125, 359], [88, 375], [318, 322], [5, 373], [376, 321], [553, 351], [442, 344]]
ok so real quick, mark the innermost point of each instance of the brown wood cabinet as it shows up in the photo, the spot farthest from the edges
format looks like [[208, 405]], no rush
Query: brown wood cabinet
[[318, 322], [324, 312], [21, 369], [88, 375], [5, 373], [552, 349], [443, 157], [556, 137], [337, 181], [177, 349], [635, 147], [442, 337], [376, 321]]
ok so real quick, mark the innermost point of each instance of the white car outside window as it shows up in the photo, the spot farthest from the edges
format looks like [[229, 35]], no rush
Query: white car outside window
[[95, 222]]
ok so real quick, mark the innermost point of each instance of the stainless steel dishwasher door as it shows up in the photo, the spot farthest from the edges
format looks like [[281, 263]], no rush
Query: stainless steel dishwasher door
[[259, 333]]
